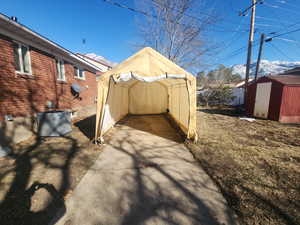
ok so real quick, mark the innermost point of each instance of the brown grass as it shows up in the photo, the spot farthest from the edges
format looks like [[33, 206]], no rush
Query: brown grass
[[256, 165], [40, 175]]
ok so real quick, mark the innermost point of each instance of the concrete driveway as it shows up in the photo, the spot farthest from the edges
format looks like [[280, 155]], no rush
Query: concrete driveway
[[145, 175]]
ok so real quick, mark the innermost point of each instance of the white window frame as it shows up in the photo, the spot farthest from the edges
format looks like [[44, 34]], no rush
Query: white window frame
[[77, 71], [61, 75], [21, 63]]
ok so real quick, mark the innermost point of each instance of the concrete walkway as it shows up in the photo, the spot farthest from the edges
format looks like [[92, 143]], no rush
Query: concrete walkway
[[146, 176]]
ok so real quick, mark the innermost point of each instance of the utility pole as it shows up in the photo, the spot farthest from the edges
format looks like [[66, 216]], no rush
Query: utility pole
[[250, 43], [262, 41]]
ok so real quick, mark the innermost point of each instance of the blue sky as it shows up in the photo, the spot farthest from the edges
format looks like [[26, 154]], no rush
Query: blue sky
[[110, 31]]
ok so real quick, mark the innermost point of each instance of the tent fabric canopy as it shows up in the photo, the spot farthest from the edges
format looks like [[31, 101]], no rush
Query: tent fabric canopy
[[123, 77], [146, 83]]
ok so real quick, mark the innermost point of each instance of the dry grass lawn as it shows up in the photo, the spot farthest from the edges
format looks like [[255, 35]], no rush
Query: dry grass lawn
[[40, 174], [256, 165]]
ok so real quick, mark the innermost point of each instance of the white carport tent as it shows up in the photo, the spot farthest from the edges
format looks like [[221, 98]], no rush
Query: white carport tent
[[146, 83]]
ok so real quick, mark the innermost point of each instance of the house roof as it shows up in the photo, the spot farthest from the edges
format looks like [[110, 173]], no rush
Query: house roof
[[102, 62], [101, 59], [14, 28], [286, 79], [242, 83], [295, 71]]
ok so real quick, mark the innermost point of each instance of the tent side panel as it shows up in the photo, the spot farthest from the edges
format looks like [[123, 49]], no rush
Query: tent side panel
[[193, 133], [148, 98], [125, 102], [99, 109], [184, 106], [116, 106], [174, 106], [179, 106]]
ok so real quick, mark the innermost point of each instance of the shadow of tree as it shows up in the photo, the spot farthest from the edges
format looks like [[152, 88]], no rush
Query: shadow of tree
[[161, 125], [15, 207], [87, 126], [267, 197], [153, 164], [16, 204]]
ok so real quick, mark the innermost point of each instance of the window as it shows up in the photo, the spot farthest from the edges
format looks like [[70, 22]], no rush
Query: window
[[79, 73], [22, 58], [60, 70]]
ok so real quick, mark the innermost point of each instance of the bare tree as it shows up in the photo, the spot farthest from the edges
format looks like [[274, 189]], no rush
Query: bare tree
[[173, 28]]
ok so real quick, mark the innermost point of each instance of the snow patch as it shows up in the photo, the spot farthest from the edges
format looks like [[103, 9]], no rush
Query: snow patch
[[101, 59], [266, 68]]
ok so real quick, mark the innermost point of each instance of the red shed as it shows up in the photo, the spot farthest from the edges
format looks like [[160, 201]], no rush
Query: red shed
[[276, 98]]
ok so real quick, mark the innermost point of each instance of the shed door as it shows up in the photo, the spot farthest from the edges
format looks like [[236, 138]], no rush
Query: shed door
[[262, 99]]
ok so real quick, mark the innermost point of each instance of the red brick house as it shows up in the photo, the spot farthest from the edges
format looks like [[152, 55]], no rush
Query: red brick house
[[37, 74]]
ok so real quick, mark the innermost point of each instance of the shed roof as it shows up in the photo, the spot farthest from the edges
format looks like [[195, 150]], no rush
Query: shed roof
[[286, 79]]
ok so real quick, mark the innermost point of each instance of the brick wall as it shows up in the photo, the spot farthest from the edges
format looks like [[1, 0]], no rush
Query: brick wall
[[23, 95]]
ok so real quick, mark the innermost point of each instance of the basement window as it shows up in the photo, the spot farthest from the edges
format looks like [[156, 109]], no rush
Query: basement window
[[60, 69], [79, 73], [22, 58]]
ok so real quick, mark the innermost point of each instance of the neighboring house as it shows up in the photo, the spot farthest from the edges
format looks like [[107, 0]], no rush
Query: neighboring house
[[238, 91], [275, 97], [103, 64], [242, 83], [238, 94], [37, 75], [295, 71]]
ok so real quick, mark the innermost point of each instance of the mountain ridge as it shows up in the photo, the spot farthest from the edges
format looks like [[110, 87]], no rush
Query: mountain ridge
[[266, 68]]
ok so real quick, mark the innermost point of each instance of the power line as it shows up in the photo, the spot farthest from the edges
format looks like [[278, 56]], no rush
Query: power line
[[244, 13], [282, 34], [232, 54], [197, 18], [291, 5], [188, 15], [154, 16], [281, 52], [289, 40], [275, 15], [282, 8], [273, 20], [297, 43], [265, 25], [286, 27], [235, 36], [239, 51], [285, 2]]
